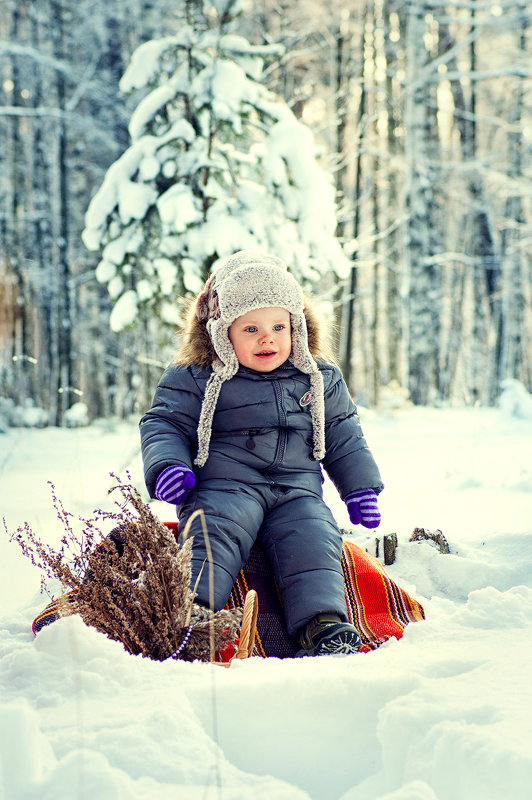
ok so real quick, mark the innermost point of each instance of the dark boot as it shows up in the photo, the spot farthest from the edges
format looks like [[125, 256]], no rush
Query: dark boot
[[326, 634]]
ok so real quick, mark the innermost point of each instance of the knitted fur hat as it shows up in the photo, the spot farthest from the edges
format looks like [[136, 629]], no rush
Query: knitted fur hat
[[240, 283]]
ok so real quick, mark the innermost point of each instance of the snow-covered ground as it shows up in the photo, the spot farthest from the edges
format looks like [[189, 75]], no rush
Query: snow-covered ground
[[445, 713]]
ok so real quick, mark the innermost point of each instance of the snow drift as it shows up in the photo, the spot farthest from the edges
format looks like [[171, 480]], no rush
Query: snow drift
[[444, 713]]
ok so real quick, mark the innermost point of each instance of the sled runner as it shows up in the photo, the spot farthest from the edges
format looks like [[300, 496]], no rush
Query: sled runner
[[377, 606]]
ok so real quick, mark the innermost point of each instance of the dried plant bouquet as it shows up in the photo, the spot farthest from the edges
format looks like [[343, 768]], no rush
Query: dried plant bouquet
[[133, 584]]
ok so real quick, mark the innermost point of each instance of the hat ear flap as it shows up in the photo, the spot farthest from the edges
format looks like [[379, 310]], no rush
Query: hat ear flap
[[317, 410], [208, 407], [225, 366], [301, 356], [219, 332]]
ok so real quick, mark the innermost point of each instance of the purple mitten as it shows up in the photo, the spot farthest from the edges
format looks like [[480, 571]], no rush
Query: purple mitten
[[362, 508], [174, 483]]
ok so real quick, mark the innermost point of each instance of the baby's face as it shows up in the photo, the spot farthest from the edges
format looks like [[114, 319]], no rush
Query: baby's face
[[262, 339]]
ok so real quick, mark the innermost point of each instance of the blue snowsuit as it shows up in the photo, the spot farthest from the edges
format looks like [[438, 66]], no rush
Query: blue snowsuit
[[260, 479]]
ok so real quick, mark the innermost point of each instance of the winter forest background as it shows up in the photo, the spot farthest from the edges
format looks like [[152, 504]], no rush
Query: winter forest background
[[382, 147]]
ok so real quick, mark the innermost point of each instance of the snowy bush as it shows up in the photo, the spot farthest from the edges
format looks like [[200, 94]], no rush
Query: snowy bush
[[21, 416], [77, 416], [7, 414], [217, 163], [393, 397], [514, 400]]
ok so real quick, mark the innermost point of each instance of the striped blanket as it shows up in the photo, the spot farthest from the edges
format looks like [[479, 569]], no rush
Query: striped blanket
[[376, 605]]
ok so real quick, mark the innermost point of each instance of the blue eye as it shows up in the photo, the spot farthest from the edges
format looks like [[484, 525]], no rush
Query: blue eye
[[278, 327], [251, 329]]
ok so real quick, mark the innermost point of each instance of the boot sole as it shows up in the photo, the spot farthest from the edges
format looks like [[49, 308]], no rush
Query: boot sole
[[341, 643]]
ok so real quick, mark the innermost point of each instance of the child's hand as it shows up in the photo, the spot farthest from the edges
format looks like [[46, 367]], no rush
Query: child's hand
[[174, 483], [362, 508]]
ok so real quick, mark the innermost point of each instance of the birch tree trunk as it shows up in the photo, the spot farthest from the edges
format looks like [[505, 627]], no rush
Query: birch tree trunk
[[43, 237], [478, 236], [347, 341], [341, 72], [419, 203], [391, 199], [512, 355], [65, 366], [23, 350]]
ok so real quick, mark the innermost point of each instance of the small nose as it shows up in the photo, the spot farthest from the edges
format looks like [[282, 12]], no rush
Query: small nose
[[265, 336]]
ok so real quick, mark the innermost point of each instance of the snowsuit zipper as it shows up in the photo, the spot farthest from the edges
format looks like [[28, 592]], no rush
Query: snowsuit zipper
[[281, 443]]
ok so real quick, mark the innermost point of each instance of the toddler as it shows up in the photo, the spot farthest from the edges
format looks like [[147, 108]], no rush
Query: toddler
[[240, 426]]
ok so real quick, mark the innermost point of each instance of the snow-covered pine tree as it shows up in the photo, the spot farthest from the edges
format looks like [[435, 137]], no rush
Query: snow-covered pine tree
[[217, 163]]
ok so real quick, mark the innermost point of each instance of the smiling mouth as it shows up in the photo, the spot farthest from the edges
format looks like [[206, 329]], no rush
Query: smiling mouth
[[265, 353]]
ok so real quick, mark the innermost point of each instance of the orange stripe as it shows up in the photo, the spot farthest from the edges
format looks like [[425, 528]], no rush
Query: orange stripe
[[360, 606]]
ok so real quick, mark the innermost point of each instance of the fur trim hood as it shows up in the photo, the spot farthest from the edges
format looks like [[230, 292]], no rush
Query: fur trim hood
[[196, 346]]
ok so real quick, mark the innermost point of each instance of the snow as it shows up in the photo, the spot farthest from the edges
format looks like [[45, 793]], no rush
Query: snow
[[144, 67], [170, 314], [167, 272], [149, 168], [177, 208], [180, 129], [442, 714], [148, 108], [191, 279], [115, 287], [134, 199], [114, 253], [124, 311], [105, 271], [145, 290]]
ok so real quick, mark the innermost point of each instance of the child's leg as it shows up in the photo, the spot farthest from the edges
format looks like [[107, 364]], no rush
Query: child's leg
[[233, 518], [305, 549]]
